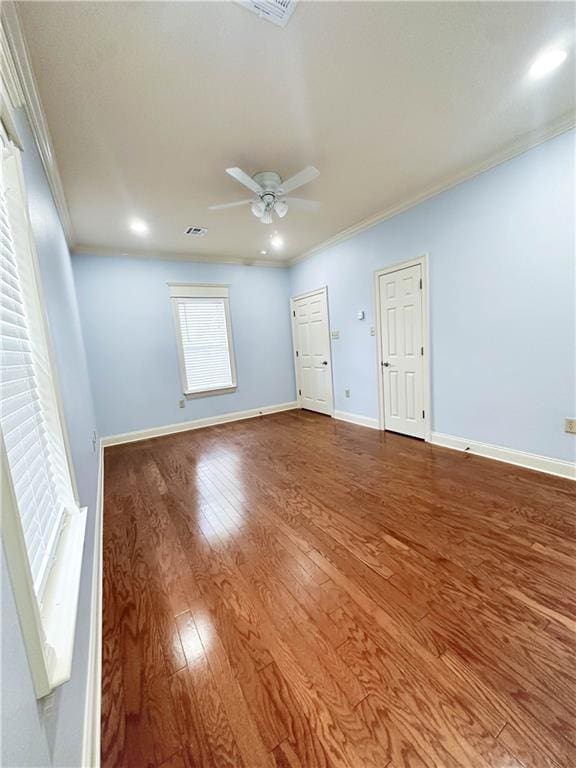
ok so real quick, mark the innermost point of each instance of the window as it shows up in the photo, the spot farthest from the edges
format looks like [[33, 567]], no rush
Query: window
[[42, 525], [202, 316], [22, 416]]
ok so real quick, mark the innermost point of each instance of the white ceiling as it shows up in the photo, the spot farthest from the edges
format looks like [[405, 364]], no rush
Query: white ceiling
[[148, 103]]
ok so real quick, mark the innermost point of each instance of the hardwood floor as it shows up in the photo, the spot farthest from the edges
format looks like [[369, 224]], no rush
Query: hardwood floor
[[294, 591]]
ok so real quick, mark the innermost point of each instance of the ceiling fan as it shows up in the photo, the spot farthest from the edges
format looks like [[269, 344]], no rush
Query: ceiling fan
[[271, 192]]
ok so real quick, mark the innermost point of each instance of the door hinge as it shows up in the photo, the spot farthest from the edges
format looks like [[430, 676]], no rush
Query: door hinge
[[423, 415], [293, 313], [299, 391], [420, 283], [421, 350], [296, 353]]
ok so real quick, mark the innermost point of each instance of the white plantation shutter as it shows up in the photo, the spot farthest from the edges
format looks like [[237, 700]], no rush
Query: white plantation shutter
[[204, 338], [29, 417]]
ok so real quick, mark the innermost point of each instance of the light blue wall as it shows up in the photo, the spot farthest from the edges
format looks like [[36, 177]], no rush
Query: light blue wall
[[502, 282], [28, 738], [24, 741], [131, 343], [502, 285]]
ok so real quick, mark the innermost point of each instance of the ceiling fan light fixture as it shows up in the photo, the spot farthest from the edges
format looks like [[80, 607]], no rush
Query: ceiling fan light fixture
[[258, 208], [266, 217], [281, 208]]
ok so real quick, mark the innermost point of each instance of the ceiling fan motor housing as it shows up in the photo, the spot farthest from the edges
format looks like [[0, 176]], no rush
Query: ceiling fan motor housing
[[268, 180]]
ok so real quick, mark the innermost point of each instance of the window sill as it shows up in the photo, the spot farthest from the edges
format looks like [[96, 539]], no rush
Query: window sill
[[208, 392], [60, 599]]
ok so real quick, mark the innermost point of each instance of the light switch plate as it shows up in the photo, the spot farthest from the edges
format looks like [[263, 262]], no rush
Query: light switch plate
[[335, 334], [570, 426]]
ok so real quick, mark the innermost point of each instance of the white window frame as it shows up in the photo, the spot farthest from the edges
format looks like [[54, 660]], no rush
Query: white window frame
[[180, 291], [48, 628]]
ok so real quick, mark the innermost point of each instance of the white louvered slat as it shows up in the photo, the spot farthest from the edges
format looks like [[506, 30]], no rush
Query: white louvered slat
[[26, 423], [205, 343]]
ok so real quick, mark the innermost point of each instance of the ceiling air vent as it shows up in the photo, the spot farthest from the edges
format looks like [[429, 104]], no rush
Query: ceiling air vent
[[276, 11], [196, 231]]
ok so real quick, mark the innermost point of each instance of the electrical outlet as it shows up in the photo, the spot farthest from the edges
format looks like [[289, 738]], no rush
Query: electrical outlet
[[182, 403], [347, 392], [570, 426], [372, 331]]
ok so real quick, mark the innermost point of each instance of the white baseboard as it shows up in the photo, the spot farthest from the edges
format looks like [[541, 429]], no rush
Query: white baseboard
[[354, 418], [509, 455], [185, 426], [92, 706]]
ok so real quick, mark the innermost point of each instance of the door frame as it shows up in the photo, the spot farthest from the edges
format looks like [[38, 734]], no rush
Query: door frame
[[423, 262], [324, 291]]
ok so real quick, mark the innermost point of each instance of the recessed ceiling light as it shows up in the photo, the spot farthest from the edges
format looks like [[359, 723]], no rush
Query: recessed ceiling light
[[276, 241], [547, 62], [263, 253], [139, 227]]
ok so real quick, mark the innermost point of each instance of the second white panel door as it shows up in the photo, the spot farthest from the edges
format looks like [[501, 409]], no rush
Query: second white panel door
[[401, 354], [312, 350]]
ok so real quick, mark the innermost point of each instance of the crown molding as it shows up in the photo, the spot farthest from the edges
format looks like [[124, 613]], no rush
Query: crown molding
[[10, 82], [23, 91], [20, 83], [519, 146], [96, 250]]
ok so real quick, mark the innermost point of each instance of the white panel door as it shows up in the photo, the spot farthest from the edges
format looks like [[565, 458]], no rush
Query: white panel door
[[312, 352], [402, 350]]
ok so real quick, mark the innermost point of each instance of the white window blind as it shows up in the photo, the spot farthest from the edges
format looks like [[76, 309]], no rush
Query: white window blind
[[29, 417], [204, 339]]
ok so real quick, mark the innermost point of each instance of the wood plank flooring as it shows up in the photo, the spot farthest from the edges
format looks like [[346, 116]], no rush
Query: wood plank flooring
[[297, 592]]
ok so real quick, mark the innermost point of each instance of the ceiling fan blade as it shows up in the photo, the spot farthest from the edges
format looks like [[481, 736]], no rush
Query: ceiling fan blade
[[243, 178], [228, 205], [299, 179], [305, 205]]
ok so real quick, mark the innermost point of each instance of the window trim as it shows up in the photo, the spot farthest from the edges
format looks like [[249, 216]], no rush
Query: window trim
[[179, 291], [48, 633], [48, 628]]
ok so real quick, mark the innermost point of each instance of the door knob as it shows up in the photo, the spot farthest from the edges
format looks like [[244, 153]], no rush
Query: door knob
[[386, 365], [324, 362]]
